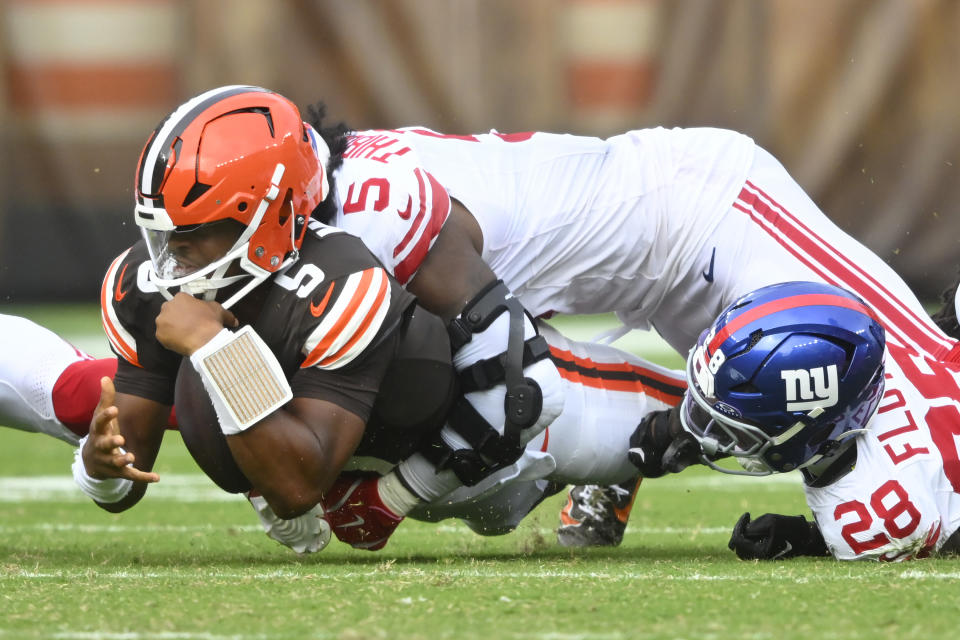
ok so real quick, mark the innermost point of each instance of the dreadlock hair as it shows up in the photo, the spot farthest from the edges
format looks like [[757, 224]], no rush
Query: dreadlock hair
[[336, 138], [946, 315]]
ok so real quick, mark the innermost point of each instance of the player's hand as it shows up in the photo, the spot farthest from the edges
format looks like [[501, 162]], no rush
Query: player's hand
[[102, 455], [773, 537], [185, 323], [357, 514], [308, 533], [660, 445]]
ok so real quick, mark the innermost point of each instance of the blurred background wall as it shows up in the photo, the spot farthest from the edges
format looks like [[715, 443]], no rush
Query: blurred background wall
[[860, 99]]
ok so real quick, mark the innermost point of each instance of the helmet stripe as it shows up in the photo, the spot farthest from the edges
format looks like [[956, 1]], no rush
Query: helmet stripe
[[153, 164], [784, 304]]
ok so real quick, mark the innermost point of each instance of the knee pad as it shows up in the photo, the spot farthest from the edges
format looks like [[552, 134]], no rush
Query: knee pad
[[509, 396]]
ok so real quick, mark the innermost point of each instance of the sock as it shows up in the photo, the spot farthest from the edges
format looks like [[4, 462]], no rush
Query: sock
[[423, 479], [395, 496]]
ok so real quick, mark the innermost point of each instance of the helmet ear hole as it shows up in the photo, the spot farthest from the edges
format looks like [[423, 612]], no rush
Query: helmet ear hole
[[241, 206], [286, 207], [746, 387], [849, 353]]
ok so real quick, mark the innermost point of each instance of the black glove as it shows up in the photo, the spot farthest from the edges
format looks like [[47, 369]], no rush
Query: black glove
[[661, 445], [772, 537]]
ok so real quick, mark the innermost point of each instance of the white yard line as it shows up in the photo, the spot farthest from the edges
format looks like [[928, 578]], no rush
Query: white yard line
[[452, 529], [172, 487], [198, 488], [478, 573]]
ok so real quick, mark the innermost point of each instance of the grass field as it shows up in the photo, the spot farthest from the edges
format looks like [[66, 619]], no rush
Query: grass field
[[190, 562]]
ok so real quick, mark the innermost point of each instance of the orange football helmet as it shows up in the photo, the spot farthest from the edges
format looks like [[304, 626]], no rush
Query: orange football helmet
[[233, 153]]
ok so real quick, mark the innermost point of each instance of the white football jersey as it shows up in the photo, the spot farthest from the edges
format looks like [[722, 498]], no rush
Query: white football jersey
[[570, 224], [902, 499]]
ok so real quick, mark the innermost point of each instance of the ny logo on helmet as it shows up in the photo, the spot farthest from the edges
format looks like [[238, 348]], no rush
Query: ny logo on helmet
[[811, 388]]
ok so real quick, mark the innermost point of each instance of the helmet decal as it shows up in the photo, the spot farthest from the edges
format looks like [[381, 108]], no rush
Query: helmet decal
[[810, 388]]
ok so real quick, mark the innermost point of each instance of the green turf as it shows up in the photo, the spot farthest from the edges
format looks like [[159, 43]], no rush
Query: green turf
[[190, 562]]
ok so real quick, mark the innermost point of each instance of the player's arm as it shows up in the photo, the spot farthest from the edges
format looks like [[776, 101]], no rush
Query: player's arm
[[113, 462], [453, 272], [434, 247], [290, 449], [294, 454], [511, 389]]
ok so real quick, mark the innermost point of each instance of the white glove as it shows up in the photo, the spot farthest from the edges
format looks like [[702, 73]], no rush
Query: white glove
[[308, 533]]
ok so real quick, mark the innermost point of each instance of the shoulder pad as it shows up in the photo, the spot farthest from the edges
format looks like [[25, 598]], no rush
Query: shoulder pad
[[397, 208]]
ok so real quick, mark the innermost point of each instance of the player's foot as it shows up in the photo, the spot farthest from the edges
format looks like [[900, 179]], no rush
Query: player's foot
[[357, 514], [596, 516]]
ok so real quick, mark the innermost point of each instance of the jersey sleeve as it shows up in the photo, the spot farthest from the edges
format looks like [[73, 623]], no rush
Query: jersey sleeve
[[390, 201], [115, 288], [349, 340], [351, 312], [344, 329], [128, 309]]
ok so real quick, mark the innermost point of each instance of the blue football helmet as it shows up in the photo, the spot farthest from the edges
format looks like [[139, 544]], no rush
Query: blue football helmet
[[783, 375]]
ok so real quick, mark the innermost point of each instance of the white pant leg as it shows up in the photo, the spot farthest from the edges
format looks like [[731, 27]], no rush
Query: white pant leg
[[798, 241], [607, 392], [491, 513], [774, 232], [32, 358]]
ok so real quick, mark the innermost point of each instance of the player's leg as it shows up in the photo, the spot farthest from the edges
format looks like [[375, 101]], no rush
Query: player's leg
[[77, 392], [608, 392], [491, 514], [794, 240], [32, 361]]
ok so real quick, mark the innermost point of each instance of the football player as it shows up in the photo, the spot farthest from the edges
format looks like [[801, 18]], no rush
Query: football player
[[309, 334], [795, 376], [664, 227], [508, 401], [652, 224]]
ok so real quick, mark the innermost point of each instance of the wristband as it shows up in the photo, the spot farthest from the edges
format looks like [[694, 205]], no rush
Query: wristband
[[243, 378], [105, 490]]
